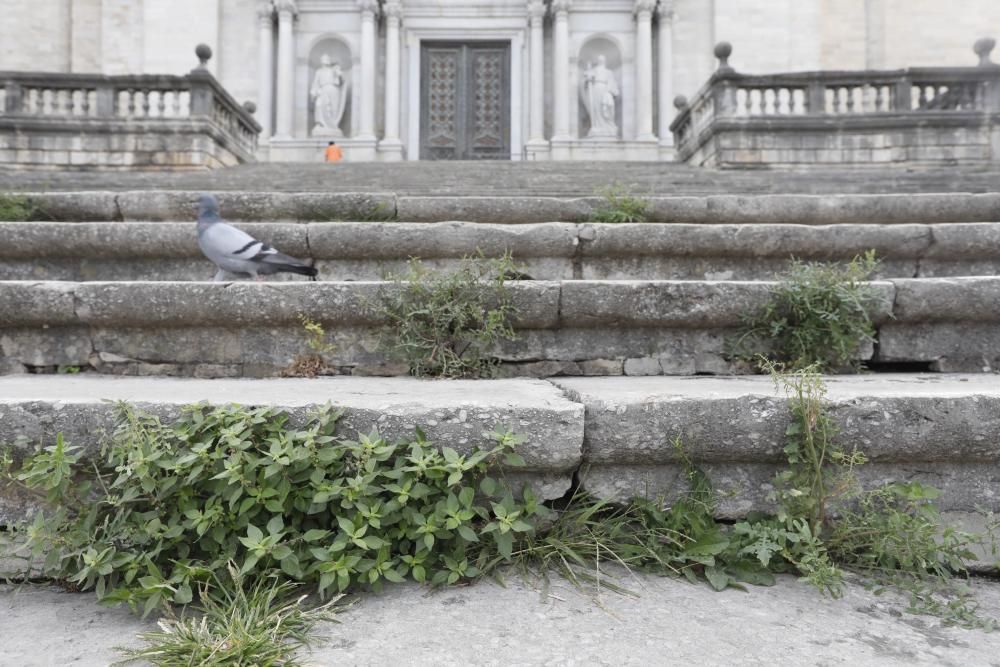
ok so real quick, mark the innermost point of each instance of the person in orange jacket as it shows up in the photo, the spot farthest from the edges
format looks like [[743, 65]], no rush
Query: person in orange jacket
[[333, 152]]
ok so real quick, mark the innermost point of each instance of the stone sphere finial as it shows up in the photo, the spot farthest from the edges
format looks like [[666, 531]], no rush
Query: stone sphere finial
[[680, 102], [722, 51], [204, 53], [250, 107], [983, 47]]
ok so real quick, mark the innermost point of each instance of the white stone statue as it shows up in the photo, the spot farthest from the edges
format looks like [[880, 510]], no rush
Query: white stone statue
[[329, 95], [599, 92]]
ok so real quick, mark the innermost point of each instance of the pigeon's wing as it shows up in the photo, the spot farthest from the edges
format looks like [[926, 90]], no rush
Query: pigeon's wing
[[224, 244]]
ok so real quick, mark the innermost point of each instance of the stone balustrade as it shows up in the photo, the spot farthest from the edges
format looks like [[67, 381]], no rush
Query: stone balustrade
[[130, 121], [930, 115]]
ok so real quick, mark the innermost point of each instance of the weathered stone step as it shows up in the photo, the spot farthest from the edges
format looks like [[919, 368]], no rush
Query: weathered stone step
[[458, 414], [520, 178], [942, 430], [546, 251], [564, 328], [615, 433], [269, 206]]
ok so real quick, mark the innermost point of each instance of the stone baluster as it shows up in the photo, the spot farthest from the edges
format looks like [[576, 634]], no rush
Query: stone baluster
[[265, 67], [369, 11], [643, 10], [561, 94], [285, 108], [391, 144], [536, 125], [665, 66]]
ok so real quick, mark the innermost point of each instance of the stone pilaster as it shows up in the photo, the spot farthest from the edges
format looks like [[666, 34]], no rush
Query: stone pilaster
[[285, 106], [391, 145], [665, 70], [561, 94], [366, 84], [644, 69], [265, 68], [536, 126]]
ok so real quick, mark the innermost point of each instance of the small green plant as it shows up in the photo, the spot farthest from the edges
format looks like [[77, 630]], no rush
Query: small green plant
[[818, 314], [314, 363], [237, 622], [69, 370], [620, 206], [16, 208], [448, 323], [167, 507]]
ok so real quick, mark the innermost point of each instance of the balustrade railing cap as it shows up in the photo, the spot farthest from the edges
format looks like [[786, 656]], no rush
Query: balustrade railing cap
[[983, 48], [722, 51], [204, 53]]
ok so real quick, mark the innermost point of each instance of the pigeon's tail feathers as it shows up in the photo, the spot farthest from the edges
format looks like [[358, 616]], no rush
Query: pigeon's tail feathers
[[278, 262]]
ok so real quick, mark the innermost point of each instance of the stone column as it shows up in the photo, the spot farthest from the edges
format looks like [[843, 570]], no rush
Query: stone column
[[366, 128], [665, 65], [285, 110], [644, 69], [536, 18], [561, 93], [265, 68], [390, 144]]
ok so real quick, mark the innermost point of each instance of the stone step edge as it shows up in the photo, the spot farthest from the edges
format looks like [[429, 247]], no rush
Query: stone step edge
[[614, 434], [401, 240], [268, 206]]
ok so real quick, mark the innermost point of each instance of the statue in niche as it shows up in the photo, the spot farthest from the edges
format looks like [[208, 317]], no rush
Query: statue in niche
[[329, 95], [599, 91]]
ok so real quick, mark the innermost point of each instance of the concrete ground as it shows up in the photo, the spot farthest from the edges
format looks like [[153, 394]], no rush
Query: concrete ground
[[670, 623]]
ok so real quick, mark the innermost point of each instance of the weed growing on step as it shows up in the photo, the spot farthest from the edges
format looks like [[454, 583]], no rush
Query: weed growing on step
[[314, 362], [448, 323], [818, 314], [16, 208], [167, 507], [620, 205], [262, 621]]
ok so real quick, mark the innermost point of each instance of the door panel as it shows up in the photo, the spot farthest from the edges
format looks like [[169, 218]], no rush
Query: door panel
[[465, 101]]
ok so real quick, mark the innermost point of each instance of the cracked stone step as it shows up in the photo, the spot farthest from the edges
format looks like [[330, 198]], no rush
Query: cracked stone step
[[459, 414], [102, 251], [942, 430]]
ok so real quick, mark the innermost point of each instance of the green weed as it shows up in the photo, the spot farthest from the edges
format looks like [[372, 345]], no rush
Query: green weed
[[448, 323], [314, 362], [620, 206], [818, 314], [16, 208]]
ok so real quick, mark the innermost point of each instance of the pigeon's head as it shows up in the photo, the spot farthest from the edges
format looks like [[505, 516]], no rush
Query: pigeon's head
[[208, 208]]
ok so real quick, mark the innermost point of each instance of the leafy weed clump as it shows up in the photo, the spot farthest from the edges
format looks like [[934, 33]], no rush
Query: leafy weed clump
[[620, 206], [166, 508], [448, 323], [16, 208], [818, 315], [314, 362]]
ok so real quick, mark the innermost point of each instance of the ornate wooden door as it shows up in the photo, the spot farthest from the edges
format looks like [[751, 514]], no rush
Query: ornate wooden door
[[465, 101]]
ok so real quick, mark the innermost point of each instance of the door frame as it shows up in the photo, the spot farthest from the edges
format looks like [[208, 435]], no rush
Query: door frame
[[414, 35], [464, 110]]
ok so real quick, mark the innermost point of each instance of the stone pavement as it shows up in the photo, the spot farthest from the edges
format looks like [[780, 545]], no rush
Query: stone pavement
[[671, 623], [516, 178]]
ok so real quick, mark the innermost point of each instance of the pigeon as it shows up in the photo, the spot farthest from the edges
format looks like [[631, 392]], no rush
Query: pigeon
[[235, 251]]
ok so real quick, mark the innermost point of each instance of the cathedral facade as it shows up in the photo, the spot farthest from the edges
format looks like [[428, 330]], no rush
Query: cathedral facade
[[480, 79]]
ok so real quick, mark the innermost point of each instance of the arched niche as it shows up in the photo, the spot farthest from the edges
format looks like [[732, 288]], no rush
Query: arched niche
[[338, 53], [600, 63]]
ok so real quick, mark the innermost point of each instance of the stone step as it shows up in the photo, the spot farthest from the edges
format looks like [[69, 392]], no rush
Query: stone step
[[520, 178], [615, 434], [366, 204], [942, 430], [85, 251], [564, 328]]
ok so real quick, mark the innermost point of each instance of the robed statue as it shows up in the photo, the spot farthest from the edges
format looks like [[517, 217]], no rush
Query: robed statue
[[329, 95], [599, 92]]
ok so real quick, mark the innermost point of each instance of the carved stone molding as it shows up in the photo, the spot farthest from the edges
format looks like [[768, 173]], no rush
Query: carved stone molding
[[287, 6], [393, 9], [368, 6], [265, 10], [536, 9], [666, 10], [561, 6], [644, 6]]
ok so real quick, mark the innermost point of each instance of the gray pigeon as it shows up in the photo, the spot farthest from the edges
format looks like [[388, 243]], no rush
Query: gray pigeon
[[235, 251]]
